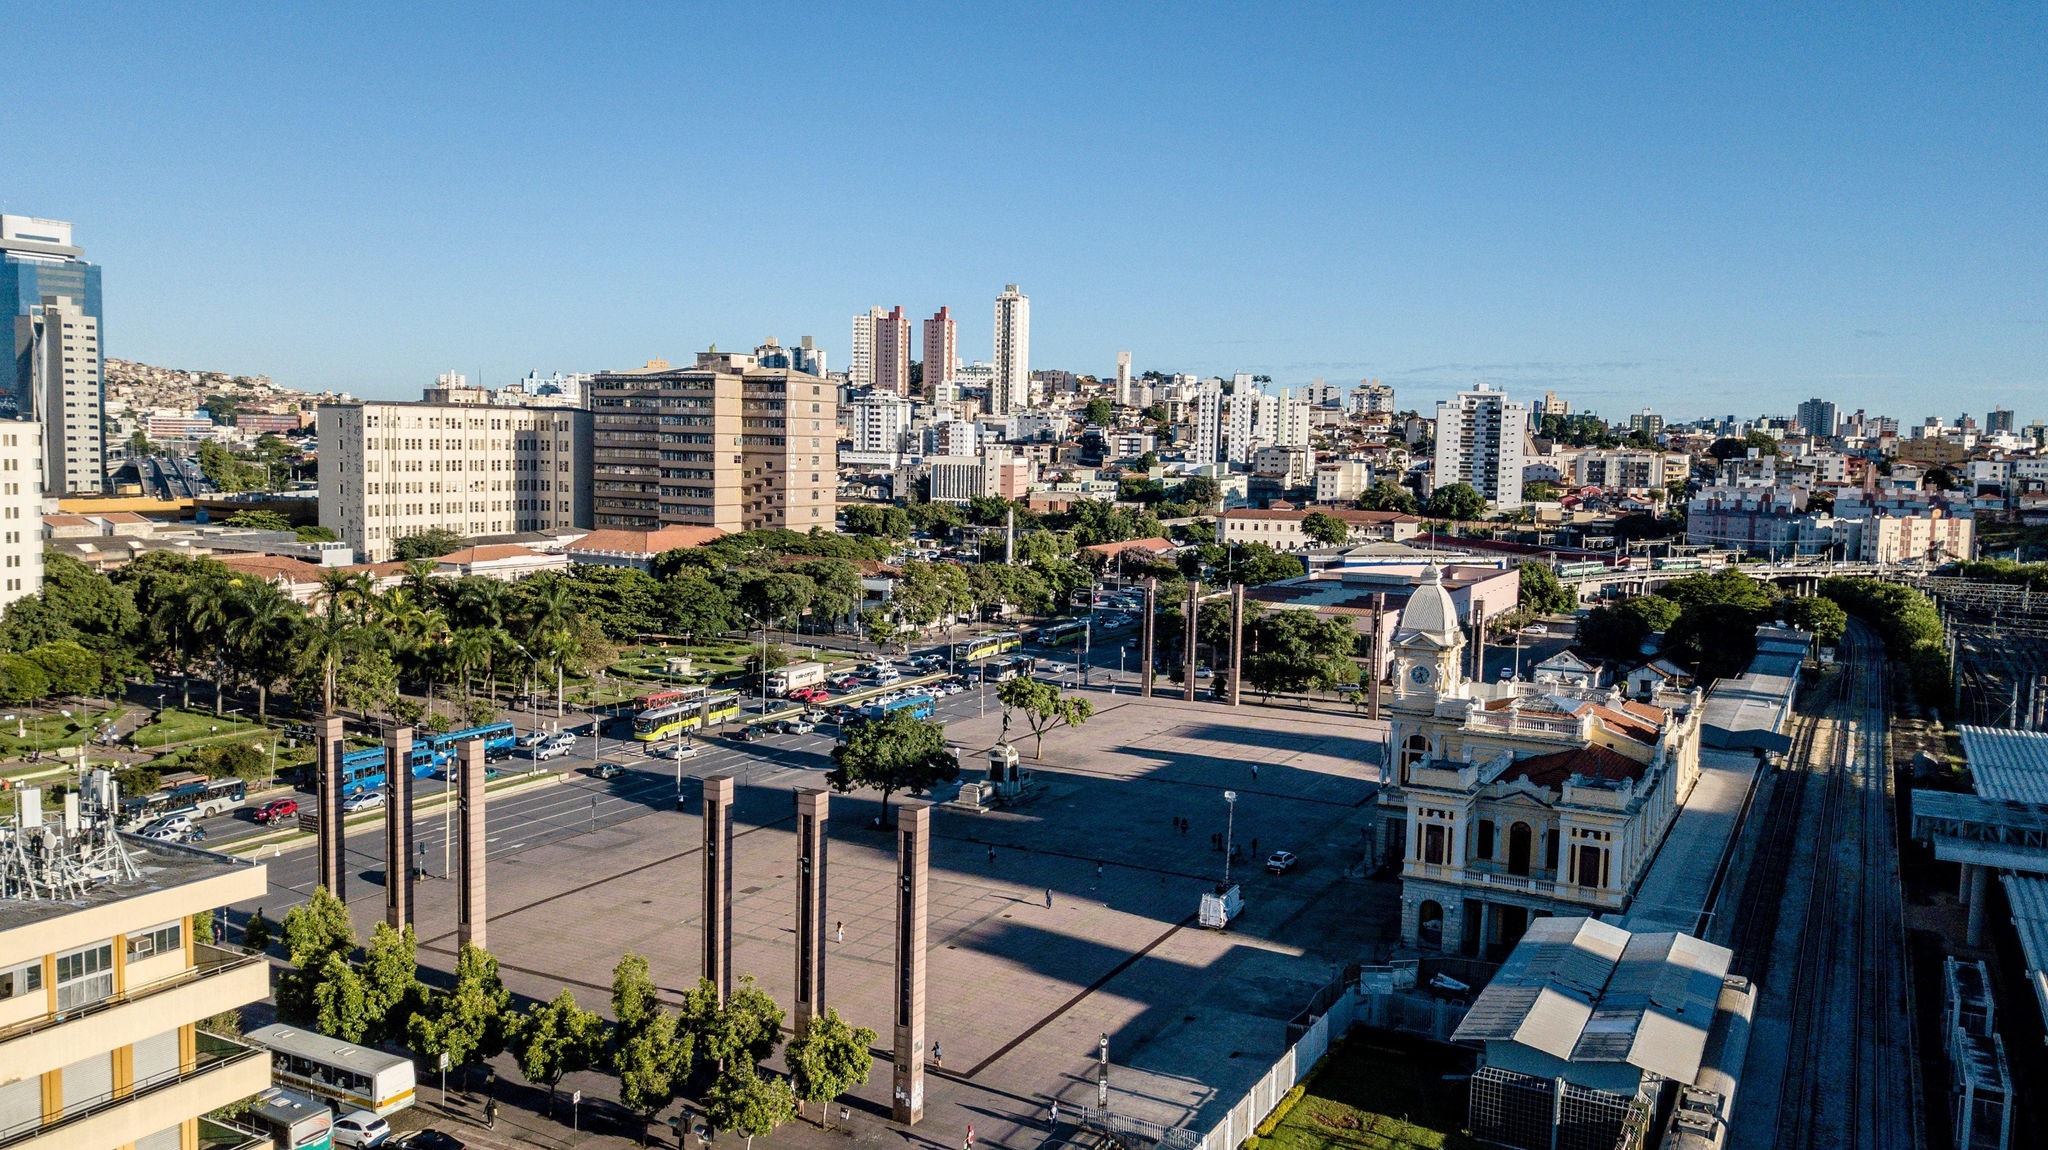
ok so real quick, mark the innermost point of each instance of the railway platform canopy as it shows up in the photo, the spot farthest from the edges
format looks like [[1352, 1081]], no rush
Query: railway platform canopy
[[1748, 712]]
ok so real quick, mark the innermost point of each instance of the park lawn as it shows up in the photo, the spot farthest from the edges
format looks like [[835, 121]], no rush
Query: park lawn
[[173, 726], [51, 732], [1380, 1090]]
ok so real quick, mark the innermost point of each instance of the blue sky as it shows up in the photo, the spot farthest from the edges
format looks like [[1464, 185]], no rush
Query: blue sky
[[1703, 212]]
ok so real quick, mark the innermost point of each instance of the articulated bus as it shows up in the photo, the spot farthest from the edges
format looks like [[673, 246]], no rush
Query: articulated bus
[[654, 700], [293, 1120], [986, 646], [499, 739], [690, 715], [919, 706], [195, 794], [364, 769], [1062, 634], [348, 1076]]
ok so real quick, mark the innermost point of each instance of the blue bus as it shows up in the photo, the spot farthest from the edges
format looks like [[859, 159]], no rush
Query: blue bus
[[499, 740], [919, 706], [364, 769]]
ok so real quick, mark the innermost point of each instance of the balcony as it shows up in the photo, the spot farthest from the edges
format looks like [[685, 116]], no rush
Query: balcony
[[222, 980], [224, 1071], [218, 1135], [1480, 882]]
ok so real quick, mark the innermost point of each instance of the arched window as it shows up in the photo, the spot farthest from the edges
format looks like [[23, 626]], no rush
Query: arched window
[[1430, 925], [1519, 842], [1413, 750]]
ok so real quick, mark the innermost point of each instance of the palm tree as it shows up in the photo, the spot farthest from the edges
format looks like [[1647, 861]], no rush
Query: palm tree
[[171, 619], [421, 582], [470, 648], [255, 634], [206, 618]]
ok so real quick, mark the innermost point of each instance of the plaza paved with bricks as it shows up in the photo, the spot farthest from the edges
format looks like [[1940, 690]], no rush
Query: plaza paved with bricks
[[1018, 992]]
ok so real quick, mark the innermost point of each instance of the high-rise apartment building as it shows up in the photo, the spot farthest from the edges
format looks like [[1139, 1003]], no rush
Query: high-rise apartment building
[[881, 351], [21, 509], [57, 365], [1482, 439], [389, 470], [723, 443], [941, 355], [804, 357], [1254, 420], [860, 366], [1296, 417], [1999, 420], [1123, 380], [880, 422], [1206, 406], [105, 991], [1371, 397], [1552, 405], [61, 342], [1010, 391], [1817, 418]]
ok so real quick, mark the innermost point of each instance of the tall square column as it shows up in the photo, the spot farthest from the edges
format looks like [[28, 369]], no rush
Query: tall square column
[[1194, 611], [398, 828], [327, 802], [813, 807], [469, 826], [1236, 642], [718, 791], [1145, 637], [913, 908]]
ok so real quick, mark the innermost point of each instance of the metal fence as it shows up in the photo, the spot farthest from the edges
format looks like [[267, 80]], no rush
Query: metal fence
[[1293, 1066]]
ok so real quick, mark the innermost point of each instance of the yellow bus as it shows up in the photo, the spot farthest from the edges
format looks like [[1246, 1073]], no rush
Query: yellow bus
[[987, 646], [690, 715]]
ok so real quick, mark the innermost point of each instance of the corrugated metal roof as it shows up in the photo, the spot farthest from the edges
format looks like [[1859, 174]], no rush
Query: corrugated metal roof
[[2008, 764], [2028, 895], [1559, 961]]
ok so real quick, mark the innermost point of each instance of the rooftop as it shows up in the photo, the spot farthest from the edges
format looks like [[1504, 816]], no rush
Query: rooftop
[[162, 866], [644, 543], [2007, 764]]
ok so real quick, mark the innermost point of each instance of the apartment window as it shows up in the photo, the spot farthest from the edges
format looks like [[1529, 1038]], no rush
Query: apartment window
[[156, 940], [23, 979], [85, 976]]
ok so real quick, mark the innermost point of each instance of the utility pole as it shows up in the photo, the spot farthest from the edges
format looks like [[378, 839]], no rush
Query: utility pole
[[1194, 617], [1372, 673], [1145, 637], [1236, 642]]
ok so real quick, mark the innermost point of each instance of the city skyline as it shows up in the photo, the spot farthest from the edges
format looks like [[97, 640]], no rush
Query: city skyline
[[1699, 211]]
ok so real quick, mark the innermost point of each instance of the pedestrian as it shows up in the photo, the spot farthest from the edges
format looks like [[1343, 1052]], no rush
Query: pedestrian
[[491, 1115], [1255, 848], [1048, 898], [1255, 772], [991, 852], [1055, 1113], [970, 1137], [1098, 872], [939, 1058], [841, 936]]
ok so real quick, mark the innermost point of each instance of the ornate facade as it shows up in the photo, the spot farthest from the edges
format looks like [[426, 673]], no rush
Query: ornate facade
[[1516, 800]]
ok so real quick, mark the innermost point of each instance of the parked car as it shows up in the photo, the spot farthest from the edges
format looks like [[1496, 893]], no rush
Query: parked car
[[798, 726], [363, 800], [815, 714], [746, 734], [607, 771], [1536, 629], [361, 1128], [678, 751], [534, 738], [276, 811], [168, 828], [432, 1139], [1280, 862]]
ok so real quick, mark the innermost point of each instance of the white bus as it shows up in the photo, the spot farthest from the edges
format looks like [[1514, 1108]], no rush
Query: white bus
[[795, 677], [348, 1076], [293, 1121]]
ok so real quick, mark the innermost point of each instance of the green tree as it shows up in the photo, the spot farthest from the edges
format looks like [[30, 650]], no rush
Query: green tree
[[22, 680], [1542, 593], [314, 931], [1822, 617], [1202, 491], [1539, 491], [1325, 529], [745, 1103], [836, 588], [139, 445], [391, 980], [1044, 708], [895, 753], [258, 520], [649, 1063], [341, 1003], [467, 1021], [228, 473], [1101, 412], [314, 533], [1728, 585], [1256, 564], [70, 668], [1296, 651], [747, 1030], [1457, 501], [431, 543], [554, 1039], [1386, 496], [256, 933], [1717, 640], [828, 1059], [879, 628]]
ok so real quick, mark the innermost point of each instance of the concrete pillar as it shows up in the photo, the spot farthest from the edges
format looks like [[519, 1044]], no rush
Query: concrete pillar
[[1236, 642], [1963, 887], [913, 894], [1194, 611], [398, 828], [470, 915], [1485, 927], [813, 807], [1379, 608], [1980, 878], [718, 791], [1145, 637], [327, 804]]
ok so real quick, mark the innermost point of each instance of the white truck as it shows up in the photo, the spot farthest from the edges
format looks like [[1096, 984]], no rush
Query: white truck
[[795, 677], [1221, 905]]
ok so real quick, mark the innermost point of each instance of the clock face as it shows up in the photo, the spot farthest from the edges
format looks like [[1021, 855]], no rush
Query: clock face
[[1419, 674]]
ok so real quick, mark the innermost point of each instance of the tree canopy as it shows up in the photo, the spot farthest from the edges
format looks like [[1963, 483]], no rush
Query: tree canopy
[[897, 752]]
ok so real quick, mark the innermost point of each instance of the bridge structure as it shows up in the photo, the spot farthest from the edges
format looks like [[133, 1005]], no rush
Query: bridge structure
[[1801, 577]]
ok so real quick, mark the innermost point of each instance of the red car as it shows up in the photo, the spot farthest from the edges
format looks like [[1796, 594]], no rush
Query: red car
[[276, 811], [810, 695]]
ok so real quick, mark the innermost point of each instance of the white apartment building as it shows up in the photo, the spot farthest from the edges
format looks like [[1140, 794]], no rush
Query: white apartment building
[[1290, 466], [63, 342], [1320, 394], [860, 366], [1132, 444], [955, 437], [1342, 480], [1207, 420], [957, 480], [1123, 380], [21, 509], [1254, 420], [1625, 468], [1371, 397], [1482, 439], [881, 423], [389, 470], [1010, 386], [1297, 416]]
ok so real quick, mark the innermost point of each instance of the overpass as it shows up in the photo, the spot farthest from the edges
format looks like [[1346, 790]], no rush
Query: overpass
[[1803, 575]]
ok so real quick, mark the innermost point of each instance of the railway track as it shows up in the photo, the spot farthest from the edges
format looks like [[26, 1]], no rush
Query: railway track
[[1849, 1075], [1763, 892]]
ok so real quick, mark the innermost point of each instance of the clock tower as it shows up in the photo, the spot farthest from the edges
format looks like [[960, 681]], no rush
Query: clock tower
[[1428, 646]]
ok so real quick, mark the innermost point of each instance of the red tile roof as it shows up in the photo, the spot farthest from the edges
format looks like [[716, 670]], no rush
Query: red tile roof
[[1151, 544], [618, 542], [490, 552], [1551, 771]]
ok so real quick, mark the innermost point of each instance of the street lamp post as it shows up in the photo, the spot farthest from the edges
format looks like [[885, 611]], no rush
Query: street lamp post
[[1102, 1073], [1229, 832]]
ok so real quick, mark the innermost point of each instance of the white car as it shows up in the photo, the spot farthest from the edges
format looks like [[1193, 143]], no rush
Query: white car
[[678, 751], [884, 678], [361, 1128], [169, 828], [798, 727], [363, 800], [554, 749], [1536, 629]]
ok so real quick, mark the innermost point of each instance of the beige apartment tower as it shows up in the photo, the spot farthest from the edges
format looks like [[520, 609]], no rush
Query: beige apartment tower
[[941, 355], [1011, 390], [21, 509], [63, 340], [389, 470], [723, 443]]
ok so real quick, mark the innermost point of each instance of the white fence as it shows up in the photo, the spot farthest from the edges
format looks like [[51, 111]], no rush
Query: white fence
[[1293, 1066]]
